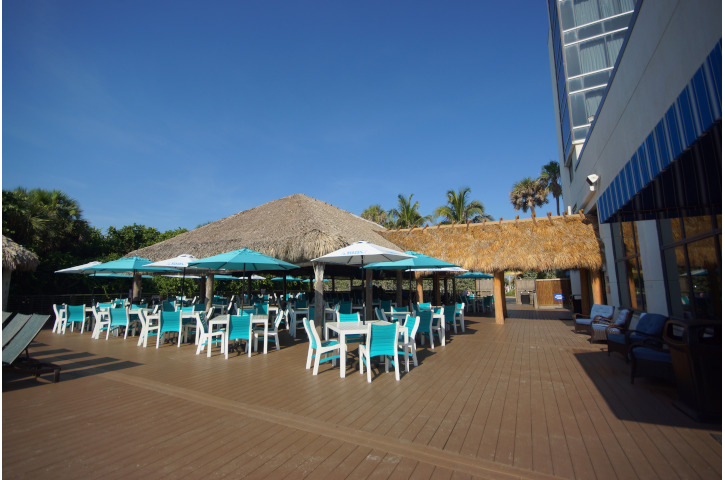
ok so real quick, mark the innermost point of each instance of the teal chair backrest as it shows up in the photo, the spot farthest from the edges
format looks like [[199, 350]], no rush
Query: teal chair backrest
[[135, 306], [169, 321], [349, 317], [425, 320], [383, 339], [385, 305], [261, 308], [119, 316], [308, 329], [424, 306], [167, 306], [301, 303], [240, 326], [449, 312], [410, 324], [76, 313], [106, 305], [400, 309], [346, 307]]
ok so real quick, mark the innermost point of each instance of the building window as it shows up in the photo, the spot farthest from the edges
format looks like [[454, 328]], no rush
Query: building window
[[628, 266], [691, 249]]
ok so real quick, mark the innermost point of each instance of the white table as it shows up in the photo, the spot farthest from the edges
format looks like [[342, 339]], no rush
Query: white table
[[398, 316], [348, 328]]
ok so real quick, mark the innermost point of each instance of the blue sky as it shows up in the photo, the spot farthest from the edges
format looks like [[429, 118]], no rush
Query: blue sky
[[177, 113]]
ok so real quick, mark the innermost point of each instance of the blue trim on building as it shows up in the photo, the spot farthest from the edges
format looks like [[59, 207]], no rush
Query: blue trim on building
[[696, 109]]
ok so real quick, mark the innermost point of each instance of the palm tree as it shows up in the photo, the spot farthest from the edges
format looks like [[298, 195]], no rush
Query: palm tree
[[375, 213], [550, 175], [407, 214], [529, 193], [459, 209]]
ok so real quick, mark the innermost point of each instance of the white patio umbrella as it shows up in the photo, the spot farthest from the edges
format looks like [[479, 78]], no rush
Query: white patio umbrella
[[363, 253], [80, 268]]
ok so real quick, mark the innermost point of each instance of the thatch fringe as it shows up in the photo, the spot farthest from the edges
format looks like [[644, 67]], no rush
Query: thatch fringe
[[522, 244], [17, 257], [295, 229]]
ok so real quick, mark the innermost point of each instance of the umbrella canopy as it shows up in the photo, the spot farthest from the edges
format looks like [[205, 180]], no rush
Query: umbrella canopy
[[180, 262], [232, 277], [289, 278], [85, 268], [130, 265], [416, 260], [243, 259], [362, 253], [475, 275]]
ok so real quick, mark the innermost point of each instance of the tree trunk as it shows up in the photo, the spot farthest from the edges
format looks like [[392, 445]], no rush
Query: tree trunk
[[319, 294], [209, 290]]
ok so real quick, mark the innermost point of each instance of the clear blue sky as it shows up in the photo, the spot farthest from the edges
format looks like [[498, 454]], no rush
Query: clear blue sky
[[177, 113]]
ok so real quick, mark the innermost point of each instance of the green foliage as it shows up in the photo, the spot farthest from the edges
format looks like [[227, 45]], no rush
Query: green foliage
[[551, 176], [528, 194], [375, 213], [407, 215], [459, 209]]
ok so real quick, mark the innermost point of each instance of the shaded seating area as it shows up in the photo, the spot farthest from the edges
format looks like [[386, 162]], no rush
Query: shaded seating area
[[582, 323], [649, 327]]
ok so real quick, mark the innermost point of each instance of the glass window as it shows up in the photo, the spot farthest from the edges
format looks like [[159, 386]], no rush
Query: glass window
[[629, 270], [592, 55], [578, 109], [572, 61], [697, 225], [592, 100], [586, 11], [566, 11], [614, 45]]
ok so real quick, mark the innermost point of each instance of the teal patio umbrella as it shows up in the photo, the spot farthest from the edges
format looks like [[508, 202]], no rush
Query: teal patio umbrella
[[244, 260], [475, 275], [133, 266], [417, 261]]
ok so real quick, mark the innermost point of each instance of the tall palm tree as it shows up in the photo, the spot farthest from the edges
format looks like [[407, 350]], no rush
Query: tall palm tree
[[529, 193], [407, 214], [459, 209], [551, 175], [375, 213]]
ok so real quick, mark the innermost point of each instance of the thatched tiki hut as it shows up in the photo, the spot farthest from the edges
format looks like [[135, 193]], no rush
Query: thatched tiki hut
[[568, 243], [295, 229], [15, 257]]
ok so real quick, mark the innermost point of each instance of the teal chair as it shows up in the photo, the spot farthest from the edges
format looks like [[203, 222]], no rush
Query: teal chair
[[346, 307], [408, 348], [272, 330], [351, 317], [317, 348], [168, 306], [118, 318], [240, 328], [460, 315], [386, 305], [261, 308], [382, 340], [206, 336], [75, 314], [449, 314], [429, 326], [168, 322]]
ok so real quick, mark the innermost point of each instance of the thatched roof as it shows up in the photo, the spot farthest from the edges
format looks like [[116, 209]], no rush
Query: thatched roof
[[295, 229], [16, 257], [568, 242]]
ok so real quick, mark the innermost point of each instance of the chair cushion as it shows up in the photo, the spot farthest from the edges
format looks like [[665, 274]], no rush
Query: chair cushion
[[622, 317], [616, 338], [603, 310], [651, 324], [584, 321], [651, 355]]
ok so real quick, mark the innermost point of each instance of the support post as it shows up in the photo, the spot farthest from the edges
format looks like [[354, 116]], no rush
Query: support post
[[586, 298], [369, 294], [399, 288], [319, 294], [136, 287], [419, 286], [436, 289], [209, 290], [597, 297], [499, 296]]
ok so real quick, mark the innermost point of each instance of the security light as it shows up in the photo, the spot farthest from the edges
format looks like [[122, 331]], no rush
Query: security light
[[592, 180]]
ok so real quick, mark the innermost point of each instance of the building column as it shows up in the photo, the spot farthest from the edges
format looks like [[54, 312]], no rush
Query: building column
[[319, 294], [597, 297]]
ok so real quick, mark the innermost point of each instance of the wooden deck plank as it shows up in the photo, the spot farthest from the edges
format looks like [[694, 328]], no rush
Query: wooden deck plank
[[527, 399]]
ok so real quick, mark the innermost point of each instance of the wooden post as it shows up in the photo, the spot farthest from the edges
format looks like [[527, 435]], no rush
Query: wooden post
[[419, 287], [136, 287], [369, 294], [499, 296], [209, 290], [319, 294], [584, 283], [597, 297], [436, 289], [399, 288]]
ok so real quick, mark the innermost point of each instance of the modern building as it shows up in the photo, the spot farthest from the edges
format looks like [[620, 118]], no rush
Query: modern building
[[645, 154]]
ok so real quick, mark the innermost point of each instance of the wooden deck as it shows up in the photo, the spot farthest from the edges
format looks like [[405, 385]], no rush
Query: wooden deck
[[529, 399]]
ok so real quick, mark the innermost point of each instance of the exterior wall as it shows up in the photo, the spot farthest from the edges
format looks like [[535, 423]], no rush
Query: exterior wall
[[668, 42]]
